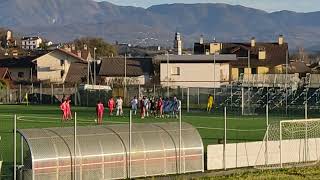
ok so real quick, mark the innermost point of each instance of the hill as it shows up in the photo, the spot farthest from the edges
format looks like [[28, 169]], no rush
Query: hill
[[62, 20]]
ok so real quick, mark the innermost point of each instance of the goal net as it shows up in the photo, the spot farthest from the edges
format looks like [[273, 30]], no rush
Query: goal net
[[290, 144]]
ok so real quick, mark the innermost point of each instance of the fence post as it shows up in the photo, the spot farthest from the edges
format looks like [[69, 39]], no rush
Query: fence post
[[280, 144], [242, 100], [22, 155], [40, 93], [225, 139], [198, 96], [139, 91], [20, 94], [130, 142], [182, 95], [306, 110], [15, 147], [180, 141], [63, 89], [51, 93], [188, 100], [75, 95], [75, 147], [231, 96], [267, 133], [32, 89]]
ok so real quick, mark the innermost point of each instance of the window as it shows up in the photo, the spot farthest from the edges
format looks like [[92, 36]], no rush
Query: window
[[254, 71], [61, 62], [175, 71], [20, 74], [61, 73], [262, 53], [241, 71]]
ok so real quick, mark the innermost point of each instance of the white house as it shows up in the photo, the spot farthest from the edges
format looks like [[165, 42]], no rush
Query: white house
[[57, 65], [205, 71], [31, 43]]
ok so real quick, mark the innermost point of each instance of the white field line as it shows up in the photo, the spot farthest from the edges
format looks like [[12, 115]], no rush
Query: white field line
[[222, 118], [241, 130], [82, 121]]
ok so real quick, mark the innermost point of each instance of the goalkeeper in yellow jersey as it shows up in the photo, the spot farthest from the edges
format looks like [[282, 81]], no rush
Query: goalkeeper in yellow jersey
[[210, 103]]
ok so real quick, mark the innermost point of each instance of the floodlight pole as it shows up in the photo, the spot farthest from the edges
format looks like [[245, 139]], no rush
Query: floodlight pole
[[75, 147], [15, 147]]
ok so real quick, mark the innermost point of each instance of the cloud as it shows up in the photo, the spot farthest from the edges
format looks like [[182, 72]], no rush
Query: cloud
[[267, 5]]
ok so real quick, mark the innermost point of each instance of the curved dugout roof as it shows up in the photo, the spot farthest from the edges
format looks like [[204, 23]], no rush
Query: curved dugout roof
[[102, 152]]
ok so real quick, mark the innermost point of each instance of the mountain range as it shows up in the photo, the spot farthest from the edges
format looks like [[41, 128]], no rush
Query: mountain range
[[64, 20]]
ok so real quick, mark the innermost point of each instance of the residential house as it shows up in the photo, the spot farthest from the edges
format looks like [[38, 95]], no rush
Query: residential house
[[139, 71], [253, 57], [19, 68], [56, 66], [31, 43], [205, 71]]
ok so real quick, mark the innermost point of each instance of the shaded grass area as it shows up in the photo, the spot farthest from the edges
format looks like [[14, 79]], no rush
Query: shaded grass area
[[290, 174]]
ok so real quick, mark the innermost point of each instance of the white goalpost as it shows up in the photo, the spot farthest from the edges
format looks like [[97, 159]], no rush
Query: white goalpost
[[290, 143]]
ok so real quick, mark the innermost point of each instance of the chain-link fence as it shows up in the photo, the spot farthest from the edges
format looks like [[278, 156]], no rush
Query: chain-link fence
[[51, 94]]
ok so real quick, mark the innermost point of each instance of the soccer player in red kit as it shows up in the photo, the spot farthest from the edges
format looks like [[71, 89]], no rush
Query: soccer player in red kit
[[160, 107], [111, 105], [63, 108], [68, 109], [100, 111]]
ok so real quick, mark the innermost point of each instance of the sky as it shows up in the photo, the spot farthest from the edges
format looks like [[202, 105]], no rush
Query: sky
[[267, 5]]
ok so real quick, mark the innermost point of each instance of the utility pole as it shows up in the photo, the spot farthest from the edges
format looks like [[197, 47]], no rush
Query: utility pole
[[125, 77], [94, 66], [168, 78]]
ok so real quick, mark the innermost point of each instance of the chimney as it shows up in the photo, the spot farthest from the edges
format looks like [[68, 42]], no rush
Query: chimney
[[85, 47], [281, 39], [201, 39], [79, 53], [73, 47], [67, 47], [253, 42]]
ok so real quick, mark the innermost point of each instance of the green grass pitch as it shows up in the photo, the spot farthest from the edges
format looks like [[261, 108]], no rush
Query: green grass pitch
[[210, 125]]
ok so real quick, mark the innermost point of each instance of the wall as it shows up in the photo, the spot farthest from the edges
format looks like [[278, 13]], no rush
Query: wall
[[195, 74], [254, 153], [140, 80], [15, 71], [49, 67]]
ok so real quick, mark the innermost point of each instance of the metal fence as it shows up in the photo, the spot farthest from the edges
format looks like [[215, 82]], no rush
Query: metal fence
[[51, 94]]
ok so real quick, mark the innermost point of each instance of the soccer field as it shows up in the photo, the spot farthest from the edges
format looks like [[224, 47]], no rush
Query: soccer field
[[210, 125]]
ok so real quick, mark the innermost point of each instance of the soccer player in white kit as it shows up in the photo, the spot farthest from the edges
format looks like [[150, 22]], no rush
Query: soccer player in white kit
[[134, 105], [119, 103]]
